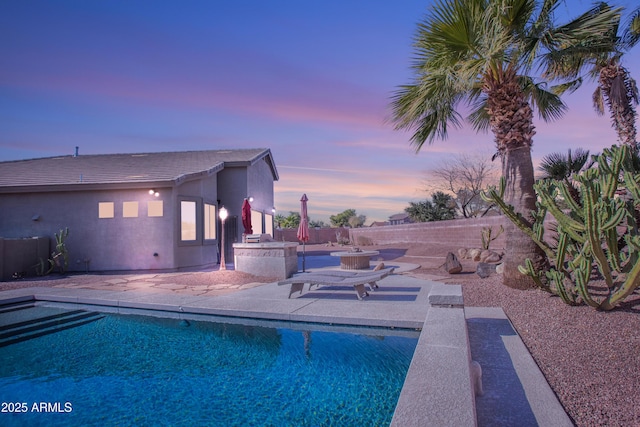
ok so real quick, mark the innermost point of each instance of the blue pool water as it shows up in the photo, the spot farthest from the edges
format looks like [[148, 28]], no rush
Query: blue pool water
[[139, 370]]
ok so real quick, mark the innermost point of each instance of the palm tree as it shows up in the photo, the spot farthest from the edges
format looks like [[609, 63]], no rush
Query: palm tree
[[562, 167], [616, 88], [482, 52]]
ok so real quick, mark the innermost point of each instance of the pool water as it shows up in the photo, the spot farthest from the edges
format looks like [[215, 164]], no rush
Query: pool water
[[140, 370]]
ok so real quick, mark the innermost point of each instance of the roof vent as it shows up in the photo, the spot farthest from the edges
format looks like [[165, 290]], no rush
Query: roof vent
[[76, 154]]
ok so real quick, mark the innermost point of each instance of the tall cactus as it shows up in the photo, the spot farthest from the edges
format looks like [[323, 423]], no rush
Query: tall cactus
[[597, 237]]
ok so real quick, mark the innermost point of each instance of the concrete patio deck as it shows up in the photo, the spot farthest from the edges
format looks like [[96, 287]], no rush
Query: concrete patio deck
[[439, 385]]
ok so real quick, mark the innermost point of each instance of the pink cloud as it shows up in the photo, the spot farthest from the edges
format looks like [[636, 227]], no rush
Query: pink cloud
[[286, 93]]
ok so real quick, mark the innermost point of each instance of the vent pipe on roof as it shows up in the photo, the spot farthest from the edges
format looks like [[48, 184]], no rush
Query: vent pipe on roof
[[77, 148]]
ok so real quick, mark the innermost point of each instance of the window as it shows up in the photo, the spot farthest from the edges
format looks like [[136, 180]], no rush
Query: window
[[105, 210], [187, 220], [154, 208], [256, 222], [268, 224], [130, 209], [209, 221]]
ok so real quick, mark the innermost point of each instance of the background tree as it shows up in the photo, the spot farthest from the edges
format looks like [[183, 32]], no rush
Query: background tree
[[317, 224], [466, 176], [440, 207], [291, 221], [483, 52], [357, 221], [347, 218]]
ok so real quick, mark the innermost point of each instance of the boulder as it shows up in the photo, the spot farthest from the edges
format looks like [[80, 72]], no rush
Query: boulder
[[490, 256], [474, 254], [452, 264], [379, 267], [485, 269], [462, 253], [500, 268]]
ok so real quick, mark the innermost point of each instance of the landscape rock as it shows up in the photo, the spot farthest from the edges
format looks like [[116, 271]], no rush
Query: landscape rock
[[474, 254], [462, 253], [485, 269], [452, 265], [500, 268], [490, 256]]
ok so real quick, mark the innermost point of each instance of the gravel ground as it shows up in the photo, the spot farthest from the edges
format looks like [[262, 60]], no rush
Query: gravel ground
[[591, 359]]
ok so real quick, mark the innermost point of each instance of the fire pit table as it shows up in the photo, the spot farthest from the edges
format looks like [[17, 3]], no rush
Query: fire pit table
[[355, 260]]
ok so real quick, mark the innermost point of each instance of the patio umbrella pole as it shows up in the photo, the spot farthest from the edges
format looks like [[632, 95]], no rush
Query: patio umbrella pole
[[303, 256], [303, 229]]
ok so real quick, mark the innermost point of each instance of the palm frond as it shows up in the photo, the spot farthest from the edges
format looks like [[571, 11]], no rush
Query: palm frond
[[631, 32], [549, 105], [560, 166], [428, 107], [478, 117], [554, 166], [583, 42], [598, 101], [567, 87]]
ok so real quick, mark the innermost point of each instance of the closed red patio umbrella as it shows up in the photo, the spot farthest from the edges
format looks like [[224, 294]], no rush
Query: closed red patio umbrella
[[303, 228], [246, 217]]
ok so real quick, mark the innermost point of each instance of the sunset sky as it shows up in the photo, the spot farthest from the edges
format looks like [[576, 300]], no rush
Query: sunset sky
[[311, 80]]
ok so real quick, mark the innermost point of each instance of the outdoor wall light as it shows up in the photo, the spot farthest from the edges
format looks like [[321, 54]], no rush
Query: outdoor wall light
[[273, 210], [36, 217], [154, 193], [250, 199]]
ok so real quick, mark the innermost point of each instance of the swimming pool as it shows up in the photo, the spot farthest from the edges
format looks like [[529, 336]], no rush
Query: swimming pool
[[141, 370]]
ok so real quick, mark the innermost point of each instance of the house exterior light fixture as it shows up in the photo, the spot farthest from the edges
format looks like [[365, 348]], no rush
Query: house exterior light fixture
[[223, 216], [153, 192]]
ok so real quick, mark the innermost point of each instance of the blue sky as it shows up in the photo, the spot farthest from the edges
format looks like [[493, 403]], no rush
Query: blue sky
[[310, 80]]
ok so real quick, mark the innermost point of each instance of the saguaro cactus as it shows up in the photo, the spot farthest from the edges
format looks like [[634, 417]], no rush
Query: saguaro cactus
[[597, 237]]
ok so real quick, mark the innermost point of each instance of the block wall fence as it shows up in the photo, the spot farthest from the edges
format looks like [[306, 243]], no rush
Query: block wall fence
[[458, 232], [316, 235], [463, 233]]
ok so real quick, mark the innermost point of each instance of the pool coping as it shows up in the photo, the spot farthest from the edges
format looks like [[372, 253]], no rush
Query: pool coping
[[439, 386]]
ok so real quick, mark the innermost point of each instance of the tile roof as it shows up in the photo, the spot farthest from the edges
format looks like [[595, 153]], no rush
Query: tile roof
[[124, 168], [399, 216]]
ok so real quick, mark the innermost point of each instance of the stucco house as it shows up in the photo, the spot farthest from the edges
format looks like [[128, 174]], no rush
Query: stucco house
[[400, 218], [143, 211]]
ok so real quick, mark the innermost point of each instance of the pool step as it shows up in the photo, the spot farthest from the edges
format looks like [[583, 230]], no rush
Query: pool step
[[8, 308], [37, 327]]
